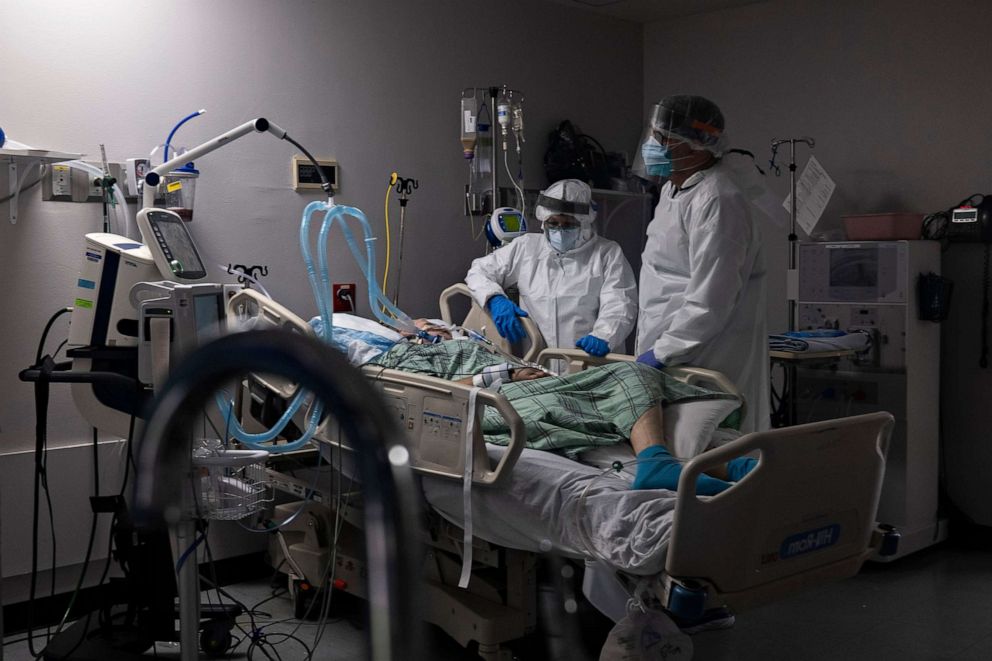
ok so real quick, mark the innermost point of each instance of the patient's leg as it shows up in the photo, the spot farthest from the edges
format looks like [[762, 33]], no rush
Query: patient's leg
[[658, 469]]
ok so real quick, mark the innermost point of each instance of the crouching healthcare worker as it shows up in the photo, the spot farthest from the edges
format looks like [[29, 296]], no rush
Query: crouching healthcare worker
[[577, 286], [702, 282]]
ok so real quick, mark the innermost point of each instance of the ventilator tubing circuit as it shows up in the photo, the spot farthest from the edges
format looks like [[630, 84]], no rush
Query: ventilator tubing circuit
[[320, 284]]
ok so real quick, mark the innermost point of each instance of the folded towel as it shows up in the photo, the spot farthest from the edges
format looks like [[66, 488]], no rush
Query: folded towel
[[858, 341]]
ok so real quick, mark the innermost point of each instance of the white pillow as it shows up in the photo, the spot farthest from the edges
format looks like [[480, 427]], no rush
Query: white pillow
[[353, 322], [690, 426], [362, 339]]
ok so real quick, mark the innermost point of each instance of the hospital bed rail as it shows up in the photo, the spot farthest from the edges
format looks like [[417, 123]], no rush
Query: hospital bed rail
[[450, 403], [479, 320], [434, 414], [577, 360], [804, 515]]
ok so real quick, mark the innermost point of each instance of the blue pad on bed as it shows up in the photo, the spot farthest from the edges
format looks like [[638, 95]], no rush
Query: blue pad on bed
[[657, 469]]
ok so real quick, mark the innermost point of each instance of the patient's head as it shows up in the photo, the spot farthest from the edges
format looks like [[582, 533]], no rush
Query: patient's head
[[433, 327]]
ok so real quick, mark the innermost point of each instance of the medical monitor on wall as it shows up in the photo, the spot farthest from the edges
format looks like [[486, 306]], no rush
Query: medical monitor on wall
[[173, 250]]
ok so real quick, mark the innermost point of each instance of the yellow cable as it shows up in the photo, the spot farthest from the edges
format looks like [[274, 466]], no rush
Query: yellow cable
[[385, 275]]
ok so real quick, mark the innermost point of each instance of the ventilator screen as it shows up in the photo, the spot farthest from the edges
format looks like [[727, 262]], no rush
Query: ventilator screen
[[176, 244]]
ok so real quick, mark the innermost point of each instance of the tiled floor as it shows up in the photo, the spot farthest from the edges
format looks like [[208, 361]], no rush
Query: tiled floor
[[935, 604]]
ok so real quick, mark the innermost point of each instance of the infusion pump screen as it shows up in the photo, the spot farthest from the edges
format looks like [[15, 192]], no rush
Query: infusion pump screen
[[176, 244], [510, 221]]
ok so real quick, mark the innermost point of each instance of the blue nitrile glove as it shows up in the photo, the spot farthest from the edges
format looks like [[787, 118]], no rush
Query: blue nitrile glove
[[505, 315], [593, 346], [648, 359]]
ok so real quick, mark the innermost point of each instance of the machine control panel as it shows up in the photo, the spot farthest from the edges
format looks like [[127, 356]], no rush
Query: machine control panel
[[443, 430], [854, 272], [175, 254], [886, 324], [434, 426]]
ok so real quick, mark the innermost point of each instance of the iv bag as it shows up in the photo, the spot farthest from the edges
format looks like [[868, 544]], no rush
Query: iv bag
[[469, 134]]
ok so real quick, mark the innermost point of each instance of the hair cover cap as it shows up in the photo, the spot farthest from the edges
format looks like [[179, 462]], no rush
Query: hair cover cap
[[570, 197], [694, 119]]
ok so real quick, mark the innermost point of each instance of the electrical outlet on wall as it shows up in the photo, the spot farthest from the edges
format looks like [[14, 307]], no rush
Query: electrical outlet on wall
[[344, 297], [64, 183]]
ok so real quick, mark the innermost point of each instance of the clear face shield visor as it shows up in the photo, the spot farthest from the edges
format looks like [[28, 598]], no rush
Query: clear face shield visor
[[672, 123]]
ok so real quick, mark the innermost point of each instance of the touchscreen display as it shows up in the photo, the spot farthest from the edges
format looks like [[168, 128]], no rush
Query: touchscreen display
[[177, 245], [854, 267], [511, 222]]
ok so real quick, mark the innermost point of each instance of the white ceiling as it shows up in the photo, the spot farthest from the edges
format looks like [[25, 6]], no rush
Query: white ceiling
[[647, 11]]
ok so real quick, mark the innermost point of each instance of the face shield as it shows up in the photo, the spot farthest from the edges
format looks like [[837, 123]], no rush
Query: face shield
[[568, 197], [678, 120]]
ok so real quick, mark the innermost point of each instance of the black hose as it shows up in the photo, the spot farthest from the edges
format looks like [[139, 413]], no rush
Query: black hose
[[389, 494]]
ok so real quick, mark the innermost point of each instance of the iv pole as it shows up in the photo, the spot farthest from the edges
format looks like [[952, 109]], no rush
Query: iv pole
[[792, 276]]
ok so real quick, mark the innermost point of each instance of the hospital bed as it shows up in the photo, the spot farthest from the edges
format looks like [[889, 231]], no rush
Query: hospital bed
[[805, 515]]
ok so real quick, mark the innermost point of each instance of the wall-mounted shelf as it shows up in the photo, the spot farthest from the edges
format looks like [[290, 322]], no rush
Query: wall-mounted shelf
[[25, 159]]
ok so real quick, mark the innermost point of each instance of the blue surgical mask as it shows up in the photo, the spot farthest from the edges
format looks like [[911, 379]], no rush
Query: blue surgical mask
[[657, 158], [563, 239]]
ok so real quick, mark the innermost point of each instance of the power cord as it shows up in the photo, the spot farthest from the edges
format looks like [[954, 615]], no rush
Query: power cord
[[42, 389], [935, 225]]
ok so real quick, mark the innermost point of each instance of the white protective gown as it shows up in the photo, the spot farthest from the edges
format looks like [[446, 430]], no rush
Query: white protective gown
[[702, 286], [587, 290]]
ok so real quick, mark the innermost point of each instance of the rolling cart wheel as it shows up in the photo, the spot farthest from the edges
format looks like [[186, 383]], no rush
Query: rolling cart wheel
[[215, 638], [890, 540], [686, 601], [303, 596]]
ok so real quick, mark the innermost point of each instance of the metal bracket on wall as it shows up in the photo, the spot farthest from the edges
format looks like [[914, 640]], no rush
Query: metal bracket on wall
[[25, 160]]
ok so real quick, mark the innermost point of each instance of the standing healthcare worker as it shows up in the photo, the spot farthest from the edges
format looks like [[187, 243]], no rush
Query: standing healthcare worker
[[702, 285], [577, 286]]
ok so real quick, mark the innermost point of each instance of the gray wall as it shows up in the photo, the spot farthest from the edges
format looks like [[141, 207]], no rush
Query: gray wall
[[374, 84], [895, 94]]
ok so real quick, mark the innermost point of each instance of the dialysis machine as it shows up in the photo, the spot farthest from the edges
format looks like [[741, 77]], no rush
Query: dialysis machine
[[871, 286]]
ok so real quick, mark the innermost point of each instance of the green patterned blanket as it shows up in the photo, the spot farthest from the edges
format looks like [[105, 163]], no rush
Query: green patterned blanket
[[566, 414]]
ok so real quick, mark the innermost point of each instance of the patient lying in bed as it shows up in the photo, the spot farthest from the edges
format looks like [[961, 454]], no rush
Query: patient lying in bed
[[580, 509], [574, 413]]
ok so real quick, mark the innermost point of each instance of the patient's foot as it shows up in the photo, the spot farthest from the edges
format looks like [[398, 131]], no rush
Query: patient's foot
[[739, 467], [657, 469]]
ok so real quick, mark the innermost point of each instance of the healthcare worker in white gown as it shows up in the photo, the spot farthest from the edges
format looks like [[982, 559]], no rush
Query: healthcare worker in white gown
[[577, 286], [702, 284]]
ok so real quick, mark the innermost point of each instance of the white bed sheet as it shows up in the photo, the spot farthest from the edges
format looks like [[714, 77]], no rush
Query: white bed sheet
[[540, 508]]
